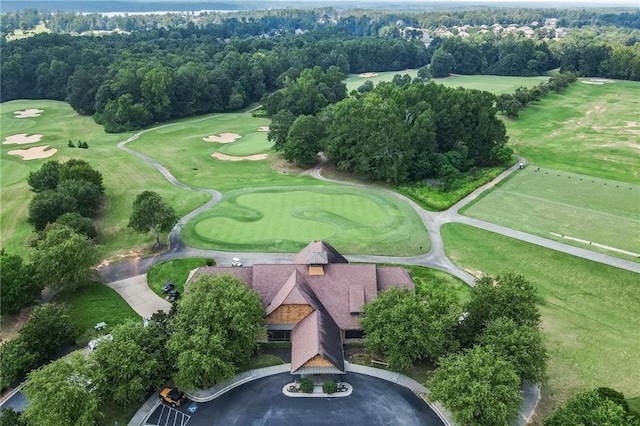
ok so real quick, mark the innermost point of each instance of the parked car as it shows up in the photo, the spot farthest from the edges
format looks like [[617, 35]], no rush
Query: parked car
[[95, 342], [172, 396], [236, 262], [173, 295], [168, 286]]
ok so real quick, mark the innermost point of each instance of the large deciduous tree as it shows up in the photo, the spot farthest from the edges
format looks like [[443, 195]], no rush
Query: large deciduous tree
[[590, 408], [508, 295], [46, 177], [47, 331], [303, 141], [406, 327], [132, 363], [519, 344], [214, 330], [19, 286], [62, 393], [479, 387], [47, 206], [150, 213], [64, 259]]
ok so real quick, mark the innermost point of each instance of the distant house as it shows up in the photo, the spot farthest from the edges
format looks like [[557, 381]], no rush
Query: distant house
[[316, 302]]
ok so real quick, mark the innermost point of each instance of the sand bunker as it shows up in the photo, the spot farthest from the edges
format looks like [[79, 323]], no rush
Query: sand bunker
[[368, 74], [263, 128], [597, 81], [21, 138], [34, 153], [222, 138], [225, 157], [27, 113]]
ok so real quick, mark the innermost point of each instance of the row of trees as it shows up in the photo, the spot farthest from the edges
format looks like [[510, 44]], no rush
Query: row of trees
[[511, 104], [200, 343], [399, 131], [483, 355]]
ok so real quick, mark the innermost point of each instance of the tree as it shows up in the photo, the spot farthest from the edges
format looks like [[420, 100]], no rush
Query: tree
[[87, 194], [442, 64], [80, 170], [591, 409], [214, 330], [150, 213], [9, 417], [80, 224], [19, 288], [303, 141], [46, 177], [64, 259], [279, 128], [521, 345], [478, 386], [395, 323], [132, 363], [47, 206], [47, 331], [508, 296], [62, 393], [17, 361]]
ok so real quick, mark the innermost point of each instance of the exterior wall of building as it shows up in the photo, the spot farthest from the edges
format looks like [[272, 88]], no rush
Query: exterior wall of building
[[288, 314]]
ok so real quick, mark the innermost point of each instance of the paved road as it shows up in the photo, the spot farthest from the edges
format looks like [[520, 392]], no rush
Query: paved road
[[261, 402]]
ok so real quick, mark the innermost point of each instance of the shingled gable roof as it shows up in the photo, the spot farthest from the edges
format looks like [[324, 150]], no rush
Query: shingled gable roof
[[316, 334], [288, 294], [333, 256]]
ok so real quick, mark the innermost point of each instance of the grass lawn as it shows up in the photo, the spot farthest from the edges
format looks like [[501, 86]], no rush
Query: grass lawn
[[589, 129], [124, 175], [181, 149], [354, 220], [425, 277], [491, 83], [589, 311], [176, 270], [96, 303], [549, 201]]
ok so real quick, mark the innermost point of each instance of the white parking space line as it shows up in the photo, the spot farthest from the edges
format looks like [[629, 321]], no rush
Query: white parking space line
[[171, 417]]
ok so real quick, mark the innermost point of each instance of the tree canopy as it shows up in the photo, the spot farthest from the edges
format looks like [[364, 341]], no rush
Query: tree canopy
[[395, 322], [19, 286], [508, 295], [478, 386], [135, 361], [64, 259], [591, 409], [62, 393], [150, 213], [214, 330]]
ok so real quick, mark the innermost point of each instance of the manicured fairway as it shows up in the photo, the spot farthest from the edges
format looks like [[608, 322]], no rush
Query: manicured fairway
[[180, 148], [286, 219], [589, 311], [491, 83], [590, 129], [124, 175], [549, 201]]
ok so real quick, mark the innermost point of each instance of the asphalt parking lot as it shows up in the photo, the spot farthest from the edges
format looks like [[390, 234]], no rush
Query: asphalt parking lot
[[261, 402]]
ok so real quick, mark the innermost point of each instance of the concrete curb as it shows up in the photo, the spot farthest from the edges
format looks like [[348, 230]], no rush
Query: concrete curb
[[317, 392], [143, 413]]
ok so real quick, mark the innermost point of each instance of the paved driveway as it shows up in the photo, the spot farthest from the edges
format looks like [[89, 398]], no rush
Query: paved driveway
[[261, 402]]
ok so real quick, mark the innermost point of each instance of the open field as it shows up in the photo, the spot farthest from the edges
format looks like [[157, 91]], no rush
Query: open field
[[96, 303], [590, 129], [490, 83], [548, 201], [285, 219], [124, 175], [589, 311]]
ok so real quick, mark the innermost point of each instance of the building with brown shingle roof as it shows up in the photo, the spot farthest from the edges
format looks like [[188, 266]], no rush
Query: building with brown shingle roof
[[316, 302]]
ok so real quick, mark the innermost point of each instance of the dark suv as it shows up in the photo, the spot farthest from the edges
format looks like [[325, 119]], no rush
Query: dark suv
[[173, 295], [168, 286]]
